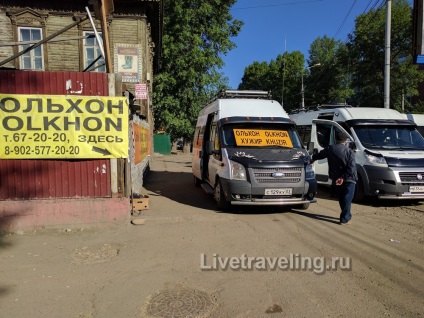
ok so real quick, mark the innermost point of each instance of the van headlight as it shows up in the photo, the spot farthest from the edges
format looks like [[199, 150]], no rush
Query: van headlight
[[310, 173], [375, 159], [238, 172]]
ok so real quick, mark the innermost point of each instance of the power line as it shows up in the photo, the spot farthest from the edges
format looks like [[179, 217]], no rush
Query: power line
[[323, 77], [345, 19]]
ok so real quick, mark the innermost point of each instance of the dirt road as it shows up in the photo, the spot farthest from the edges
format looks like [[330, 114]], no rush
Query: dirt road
[[188, 260]]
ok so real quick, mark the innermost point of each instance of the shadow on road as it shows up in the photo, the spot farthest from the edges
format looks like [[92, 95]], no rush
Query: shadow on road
[[324, 193], [320, 217], [392, 203], [179, 187], [252, 210]]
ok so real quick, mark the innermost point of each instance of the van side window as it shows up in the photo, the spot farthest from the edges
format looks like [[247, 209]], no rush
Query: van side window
[[213, 132], [324, 134], [305, 134], [199, 139], [215, 138]]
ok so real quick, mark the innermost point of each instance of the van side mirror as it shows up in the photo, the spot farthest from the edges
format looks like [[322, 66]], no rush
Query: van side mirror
[[209, 147]]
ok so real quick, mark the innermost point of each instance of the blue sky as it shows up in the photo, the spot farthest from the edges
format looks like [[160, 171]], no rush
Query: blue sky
[[273, 26]]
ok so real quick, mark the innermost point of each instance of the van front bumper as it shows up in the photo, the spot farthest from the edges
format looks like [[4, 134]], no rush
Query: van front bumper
[[242, 193], [387, 183]]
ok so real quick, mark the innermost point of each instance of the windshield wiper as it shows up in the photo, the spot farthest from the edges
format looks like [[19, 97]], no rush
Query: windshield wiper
[[390, 147], [406, 147], [371, 146], [412, 148]]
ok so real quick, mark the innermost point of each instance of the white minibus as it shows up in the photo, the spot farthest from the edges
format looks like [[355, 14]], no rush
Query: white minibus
[[246, 151], [389, 149]]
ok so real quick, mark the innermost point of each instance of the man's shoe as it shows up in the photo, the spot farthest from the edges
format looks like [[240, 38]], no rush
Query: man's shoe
[[344, 222]]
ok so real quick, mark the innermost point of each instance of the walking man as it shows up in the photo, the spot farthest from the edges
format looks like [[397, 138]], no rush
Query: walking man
[[342, 172]]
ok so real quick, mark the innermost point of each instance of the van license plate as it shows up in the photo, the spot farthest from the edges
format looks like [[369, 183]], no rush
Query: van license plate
[[284, 191], [416, 189]]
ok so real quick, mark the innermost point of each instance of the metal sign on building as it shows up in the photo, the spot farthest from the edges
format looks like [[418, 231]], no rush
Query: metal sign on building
[[128, 62], [140, 91]]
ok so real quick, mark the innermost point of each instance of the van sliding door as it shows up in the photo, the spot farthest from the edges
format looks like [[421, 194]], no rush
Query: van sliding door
[[322, 135]]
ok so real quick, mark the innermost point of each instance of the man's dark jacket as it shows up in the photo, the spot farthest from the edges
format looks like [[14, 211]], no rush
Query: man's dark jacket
[[341, 162]]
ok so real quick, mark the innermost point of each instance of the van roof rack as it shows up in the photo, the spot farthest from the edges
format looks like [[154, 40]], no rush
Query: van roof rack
[[233, 93], [297, 111], [329, 106], [319, 107]]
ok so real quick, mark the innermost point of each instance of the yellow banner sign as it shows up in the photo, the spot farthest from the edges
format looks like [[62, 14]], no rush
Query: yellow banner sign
[[63, 127], [141, 143], [260, 138]]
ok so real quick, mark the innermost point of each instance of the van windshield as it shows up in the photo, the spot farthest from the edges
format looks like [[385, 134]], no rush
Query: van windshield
[[389, 137], [260, 135]]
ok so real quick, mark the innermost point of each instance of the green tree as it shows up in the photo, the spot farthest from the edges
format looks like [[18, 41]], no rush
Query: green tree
[[366, 49], [196, 34], [281, 77], [329, 78], [418, 108], [289, 68], [255, 76]]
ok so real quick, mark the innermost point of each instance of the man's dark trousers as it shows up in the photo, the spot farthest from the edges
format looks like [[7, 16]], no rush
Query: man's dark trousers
[[346, 193]]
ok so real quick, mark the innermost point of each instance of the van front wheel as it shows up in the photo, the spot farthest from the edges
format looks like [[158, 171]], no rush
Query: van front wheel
[[219, 196], [304, 206], [359, 195]]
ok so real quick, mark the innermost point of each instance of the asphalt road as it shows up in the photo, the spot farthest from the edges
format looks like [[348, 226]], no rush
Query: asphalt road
[[189, 260]]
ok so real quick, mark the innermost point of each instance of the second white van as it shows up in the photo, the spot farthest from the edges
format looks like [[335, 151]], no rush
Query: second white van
[[389, 149], [418, 119]]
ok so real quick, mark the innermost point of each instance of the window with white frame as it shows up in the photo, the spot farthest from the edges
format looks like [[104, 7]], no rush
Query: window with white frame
[[92, 53], [33, 59]]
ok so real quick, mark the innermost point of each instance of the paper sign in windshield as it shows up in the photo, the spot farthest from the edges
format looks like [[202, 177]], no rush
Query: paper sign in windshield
[[261, 138]]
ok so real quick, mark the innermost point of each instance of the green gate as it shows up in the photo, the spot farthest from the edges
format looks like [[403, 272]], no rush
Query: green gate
[[162, 144]]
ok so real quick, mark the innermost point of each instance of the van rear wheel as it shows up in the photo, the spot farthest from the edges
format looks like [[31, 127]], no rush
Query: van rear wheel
[[219, 196]]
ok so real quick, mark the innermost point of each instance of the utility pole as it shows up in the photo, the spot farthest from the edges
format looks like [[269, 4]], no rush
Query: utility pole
[[284, 73], [303, 87], [303, 94], [387, 54], [403, 102]]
